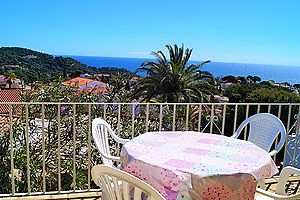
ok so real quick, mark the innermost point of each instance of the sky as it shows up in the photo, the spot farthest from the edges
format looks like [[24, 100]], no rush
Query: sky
[[243, 31]]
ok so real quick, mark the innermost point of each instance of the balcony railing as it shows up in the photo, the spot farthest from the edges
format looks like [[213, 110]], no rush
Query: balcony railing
[[47, 148]]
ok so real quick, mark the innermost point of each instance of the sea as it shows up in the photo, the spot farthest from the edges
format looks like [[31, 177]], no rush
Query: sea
[[277, 73]]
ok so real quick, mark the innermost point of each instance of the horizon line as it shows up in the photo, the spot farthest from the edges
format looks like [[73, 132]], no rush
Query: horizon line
[[230, 62]]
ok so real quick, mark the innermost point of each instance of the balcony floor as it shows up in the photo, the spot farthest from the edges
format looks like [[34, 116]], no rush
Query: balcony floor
[[270, 186], [73, 196]]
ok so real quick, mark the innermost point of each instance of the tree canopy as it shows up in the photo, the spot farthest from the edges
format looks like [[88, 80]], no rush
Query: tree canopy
[[173, 80], [32, 66]]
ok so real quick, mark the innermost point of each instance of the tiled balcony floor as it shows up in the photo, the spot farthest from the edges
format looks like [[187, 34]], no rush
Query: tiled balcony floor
[[270, 185], [72, 196]]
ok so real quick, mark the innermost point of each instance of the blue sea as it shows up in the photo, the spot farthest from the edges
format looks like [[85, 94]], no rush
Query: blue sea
[[290, 74]]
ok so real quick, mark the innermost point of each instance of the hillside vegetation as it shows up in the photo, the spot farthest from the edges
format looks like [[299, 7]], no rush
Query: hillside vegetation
[[33, 66]]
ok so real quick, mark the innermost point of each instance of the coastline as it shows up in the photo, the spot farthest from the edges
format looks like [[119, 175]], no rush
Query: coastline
[[277, 73]]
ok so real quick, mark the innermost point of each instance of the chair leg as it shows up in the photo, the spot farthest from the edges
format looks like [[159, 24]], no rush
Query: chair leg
[[261, 184], [104, 196]]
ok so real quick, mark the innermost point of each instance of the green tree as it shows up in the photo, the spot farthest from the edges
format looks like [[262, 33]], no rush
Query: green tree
[[249, 79], [119, 89], [241, 79], [172, 80], [264, 95], [256, 79], [230, 79]]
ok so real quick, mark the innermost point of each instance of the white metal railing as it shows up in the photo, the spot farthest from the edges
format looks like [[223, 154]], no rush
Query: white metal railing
[[47, 147]]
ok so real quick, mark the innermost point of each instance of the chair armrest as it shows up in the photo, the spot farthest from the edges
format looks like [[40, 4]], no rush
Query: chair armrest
[[115, 158], [276, 196], [290, 170], [121, 140], [280, 144], [273, 152], [235, 135], [239, 129]]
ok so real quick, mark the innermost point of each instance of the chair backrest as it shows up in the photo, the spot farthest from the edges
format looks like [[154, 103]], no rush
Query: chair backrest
[[283, 178], [280, 192], [264, 129], [119, 185], [101, 130]]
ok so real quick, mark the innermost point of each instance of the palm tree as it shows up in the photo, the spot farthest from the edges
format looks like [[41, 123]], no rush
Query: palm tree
[[171, 80]]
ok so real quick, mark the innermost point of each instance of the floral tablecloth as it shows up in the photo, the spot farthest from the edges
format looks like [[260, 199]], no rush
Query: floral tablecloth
[[191, 165]]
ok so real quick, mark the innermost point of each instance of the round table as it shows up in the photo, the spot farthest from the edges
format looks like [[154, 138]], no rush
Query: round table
[[193, 165]]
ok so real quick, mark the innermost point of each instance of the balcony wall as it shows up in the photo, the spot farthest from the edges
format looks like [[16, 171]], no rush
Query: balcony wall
[[47, 148]]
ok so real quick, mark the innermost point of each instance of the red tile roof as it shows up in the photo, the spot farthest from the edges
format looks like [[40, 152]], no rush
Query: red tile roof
[[97, 90], [8, 96], [77, 82]]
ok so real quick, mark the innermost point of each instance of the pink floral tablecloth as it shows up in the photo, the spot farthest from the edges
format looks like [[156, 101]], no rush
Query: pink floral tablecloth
[[191, 165]]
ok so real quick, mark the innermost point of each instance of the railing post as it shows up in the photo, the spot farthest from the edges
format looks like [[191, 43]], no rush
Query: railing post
[[294, 160], [27, 148], [104, 111], [132, 120], [147, 117], [187, 118], [43, 148], [235, 118], [89, 147], [160, 116], [119, 119], [174, 118], [212, 114], [11, 150], [199, 117], [246, 128], [74, 147], [223, 120], [58, 148]]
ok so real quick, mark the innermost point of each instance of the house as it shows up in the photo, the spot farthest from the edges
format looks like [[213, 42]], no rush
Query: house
[[8, 96], [103, 77], [10, 67], [15, 84], [85, 84], [2, 81], [77, 82], [221, 99], [224, 86], [30, 56], [134, 80], [85, 75]]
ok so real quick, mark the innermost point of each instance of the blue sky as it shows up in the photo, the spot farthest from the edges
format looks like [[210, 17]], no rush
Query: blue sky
[[253, 31]]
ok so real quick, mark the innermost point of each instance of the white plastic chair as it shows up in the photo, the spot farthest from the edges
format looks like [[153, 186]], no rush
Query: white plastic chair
[[100, 130], [119, 185], [264, 129], [280, 188]]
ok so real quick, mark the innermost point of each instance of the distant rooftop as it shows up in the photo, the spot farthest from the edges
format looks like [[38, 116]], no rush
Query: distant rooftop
[[78, 81], [85, 84], [9, 96]]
